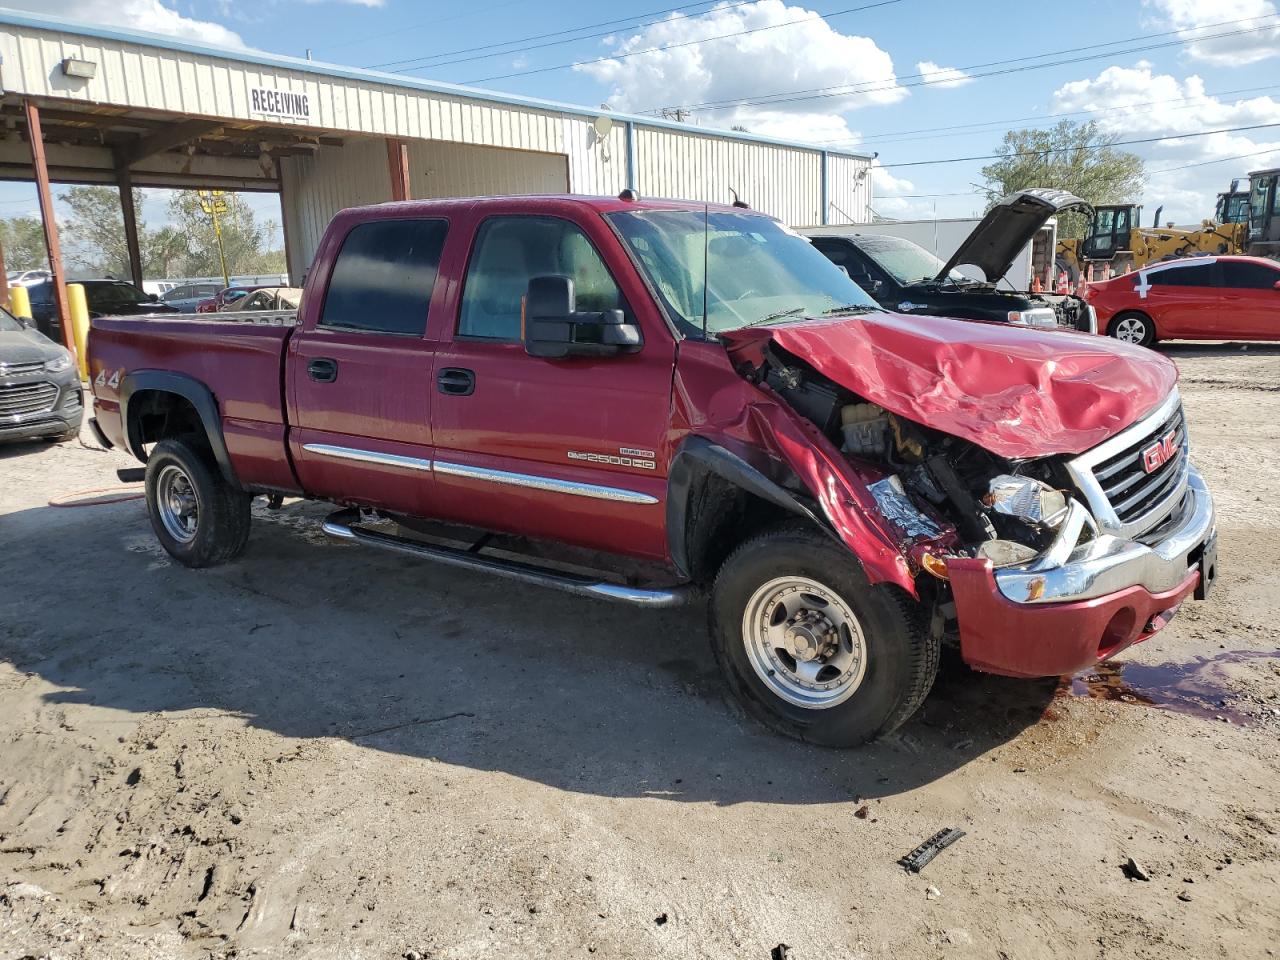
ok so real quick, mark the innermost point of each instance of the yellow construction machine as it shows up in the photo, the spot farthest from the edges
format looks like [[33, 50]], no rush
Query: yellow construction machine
[[1117, 239], [1264, 213]]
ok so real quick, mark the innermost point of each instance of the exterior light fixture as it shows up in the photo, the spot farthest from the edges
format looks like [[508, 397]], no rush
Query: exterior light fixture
[[80, 69]]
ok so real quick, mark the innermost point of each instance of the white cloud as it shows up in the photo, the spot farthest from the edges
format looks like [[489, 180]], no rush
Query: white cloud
[[891, 196], [150, 15], [1137, 103], [944, 77], [1230, 16], [805, 56]]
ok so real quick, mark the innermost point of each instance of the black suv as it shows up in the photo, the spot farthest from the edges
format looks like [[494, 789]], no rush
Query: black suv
[[107, 298], [906, 278]]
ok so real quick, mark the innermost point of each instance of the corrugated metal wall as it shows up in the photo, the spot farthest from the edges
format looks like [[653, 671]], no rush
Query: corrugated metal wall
[[781, 181], [317, 187], [848, 190]]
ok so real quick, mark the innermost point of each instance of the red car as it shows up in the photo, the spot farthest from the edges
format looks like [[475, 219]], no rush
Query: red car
[[1203, 298], [648, 402]]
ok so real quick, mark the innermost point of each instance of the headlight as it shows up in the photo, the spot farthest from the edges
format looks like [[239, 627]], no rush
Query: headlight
[[1027, 499], [1039, 317], [59, 363]]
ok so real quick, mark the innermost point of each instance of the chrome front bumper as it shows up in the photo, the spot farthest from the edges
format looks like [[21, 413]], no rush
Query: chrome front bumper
[[1106, 564]]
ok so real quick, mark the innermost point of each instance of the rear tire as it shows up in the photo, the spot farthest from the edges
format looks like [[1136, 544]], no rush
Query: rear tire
[[1133, 327], [199, 518], [813, 650]]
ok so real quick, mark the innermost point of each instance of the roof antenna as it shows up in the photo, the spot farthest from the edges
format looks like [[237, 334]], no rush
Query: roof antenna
[[738, 201]]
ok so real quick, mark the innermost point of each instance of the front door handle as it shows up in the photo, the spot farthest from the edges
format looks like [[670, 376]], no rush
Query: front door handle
[[323, 370], [456, 381]]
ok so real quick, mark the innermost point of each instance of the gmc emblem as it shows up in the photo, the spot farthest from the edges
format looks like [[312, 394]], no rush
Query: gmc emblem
[[1160, 452]]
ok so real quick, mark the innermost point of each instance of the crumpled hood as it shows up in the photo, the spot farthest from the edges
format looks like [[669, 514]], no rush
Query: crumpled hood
[[1011, 390]]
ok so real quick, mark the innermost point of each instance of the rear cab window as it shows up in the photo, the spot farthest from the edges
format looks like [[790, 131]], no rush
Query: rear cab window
[[384, 276]]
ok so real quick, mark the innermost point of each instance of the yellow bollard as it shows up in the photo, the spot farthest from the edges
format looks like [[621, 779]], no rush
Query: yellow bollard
[[19, 301], [78, 307]]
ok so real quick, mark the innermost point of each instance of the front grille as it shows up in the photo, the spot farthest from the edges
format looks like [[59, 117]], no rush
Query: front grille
[[1125, 497], [25, 399], [18, 369], [1133, 492]]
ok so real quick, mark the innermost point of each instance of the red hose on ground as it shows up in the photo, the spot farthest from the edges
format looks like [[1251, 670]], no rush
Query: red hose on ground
[[109, 495]]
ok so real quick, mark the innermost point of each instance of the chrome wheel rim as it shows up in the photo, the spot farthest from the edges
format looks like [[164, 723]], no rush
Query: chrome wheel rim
[[178, 504], [1131, 330], [804, 642]]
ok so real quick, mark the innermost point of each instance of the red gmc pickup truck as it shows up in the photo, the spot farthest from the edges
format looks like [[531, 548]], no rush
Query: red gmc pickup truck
[[643, 401]]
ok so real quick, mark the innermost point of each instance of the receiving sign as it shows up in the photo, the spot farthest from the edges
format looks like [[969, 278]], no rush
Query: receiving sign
[[280, 103]]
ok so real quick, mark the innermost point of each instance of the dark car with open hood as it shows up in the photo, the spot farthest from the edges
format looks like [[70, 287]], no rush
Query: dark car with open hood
[[906, 278], [40, 395], [652, 402]]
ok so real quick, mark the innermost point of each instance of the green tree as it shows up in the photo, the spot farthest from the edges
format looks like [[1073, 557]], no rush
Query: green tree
[[93, 235], [244, 238], [23, 241], [1077, 157]]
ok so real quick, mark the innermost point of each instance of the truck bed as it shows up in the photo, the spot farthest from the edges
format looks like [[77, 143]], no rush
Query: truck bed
[[239, 357]]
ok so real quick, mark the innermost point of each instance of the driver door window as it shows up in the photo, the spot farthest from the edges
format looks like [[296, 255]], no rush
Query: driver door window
[[509, 252]]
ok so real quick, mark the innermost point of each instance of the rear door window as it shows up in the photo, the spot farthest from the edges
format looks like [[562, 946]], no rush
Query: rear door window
[[383, 277], [1250, 276], [1197, 275]]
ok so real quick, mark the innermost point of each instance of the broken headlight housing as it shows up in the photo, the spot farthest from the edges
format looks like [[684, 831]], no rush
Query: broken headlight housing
[[1027, 499]]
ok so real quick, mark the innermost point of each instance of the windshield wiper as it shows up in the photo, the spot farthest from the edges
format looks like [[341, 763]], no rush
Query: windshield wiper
[[851, 308], [774, 316]]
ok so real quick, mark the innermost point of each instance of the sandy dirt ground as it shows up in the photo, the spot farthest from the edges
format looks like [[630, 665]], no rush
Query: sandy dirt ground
[[325, 751]]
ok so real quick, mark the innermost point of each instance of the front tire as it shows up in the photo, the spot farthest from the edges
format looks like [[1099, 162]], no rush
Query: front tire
[[1133, 327], [199, 518], [810, 648]]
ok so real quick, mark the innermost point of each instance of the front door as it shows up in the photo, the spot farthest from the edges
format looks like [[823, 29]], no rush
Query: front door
[[571, 449], [360, 370], [1249, 290]]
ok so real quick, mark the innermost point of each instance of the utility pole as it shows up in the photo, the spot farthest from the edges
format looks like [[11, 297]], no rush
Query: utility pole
[[678, 114], [212, 202]]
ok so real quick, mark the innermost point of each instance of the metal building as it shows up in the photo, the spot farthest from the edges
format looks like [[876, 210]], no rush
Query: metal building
[[87, 104]]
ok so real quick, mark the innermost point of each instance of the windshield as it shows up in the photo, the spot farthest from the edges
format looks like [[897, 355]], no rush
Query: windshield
[[905, 261], [8, 323], [755, 269]]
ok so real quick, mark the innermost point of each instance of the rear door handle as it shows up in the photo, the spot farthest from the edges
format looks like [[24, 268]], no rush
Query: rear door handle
[[456, 381], [323, 370]]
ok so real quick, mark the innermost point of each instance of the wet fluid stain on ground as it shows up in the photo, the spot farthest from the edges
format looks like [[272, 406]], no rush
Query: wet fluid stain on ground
[[1196, 688]]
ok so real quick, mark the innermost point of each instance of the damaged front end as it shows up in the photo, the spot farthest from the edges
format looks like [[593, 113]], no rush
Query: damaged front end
[[1013, 549]]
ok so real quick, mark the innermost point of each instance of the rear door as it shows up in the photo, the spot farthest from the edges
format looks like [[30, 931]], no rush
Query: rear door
[[1249, 289], [571, 449], [359, 371], [1185, 300]]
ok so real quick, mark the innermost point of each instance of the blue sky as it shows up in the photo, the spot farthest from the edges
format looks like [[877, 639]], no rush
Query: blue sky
[[1194, 80]]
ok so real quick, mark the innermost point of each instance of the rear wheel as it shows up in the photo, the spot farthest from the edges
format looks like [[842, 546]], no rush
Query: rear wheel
[[198, 517], [810, 647], [1133, 327]]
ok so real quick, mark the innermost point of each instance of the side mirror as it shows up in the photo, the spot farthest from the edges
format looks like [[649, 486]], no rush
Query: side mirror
[[876, 286], [1276, 285], [553, 327]]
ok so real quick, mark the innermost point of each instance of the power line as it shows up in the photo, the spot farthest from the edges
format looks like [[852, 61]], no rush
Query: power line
[[686, 43], [1206, 163], [864, 87], [625, 23], [1099, 146], [880, 138]]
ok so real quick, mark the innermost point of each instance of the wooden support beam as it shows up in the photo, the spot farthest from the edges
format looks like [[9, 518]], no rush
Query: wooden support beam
[[54, 249], [124, 181], [175, 135], [398, 162]]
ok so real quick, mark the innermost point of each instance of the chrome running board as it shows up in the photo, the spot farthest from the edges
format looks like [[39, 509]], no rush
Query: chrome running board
[[341, 526]]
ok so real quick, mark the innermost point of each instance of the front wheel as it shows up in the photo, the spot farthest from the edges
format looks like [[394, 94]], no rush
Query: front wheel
[[1133, 327], [810, 647], [198, 517]]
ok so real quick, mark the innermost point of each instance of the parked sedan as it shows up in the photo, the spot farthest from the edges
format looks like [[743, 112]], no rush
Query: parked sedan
[[188, 296], [40, 392], [1202, 298]]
